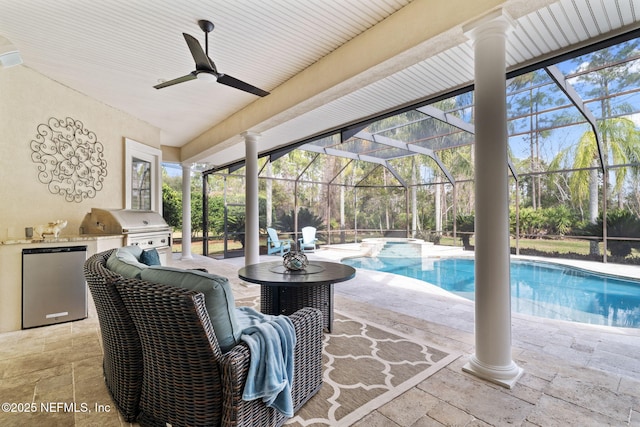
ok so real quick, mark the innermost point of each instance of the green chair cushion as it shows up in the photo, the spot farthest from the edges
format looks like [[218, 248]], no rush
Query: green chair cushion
[[126, 262], [219, 299]]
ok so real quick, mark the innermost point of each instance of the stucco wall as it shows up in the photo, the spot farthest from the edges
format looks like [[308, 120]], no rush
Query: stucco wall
[[28, 99]]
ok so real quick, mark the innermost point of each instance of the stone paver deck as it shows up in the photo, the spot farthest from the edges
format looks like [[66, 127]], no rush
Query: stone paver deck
[[574, 374]]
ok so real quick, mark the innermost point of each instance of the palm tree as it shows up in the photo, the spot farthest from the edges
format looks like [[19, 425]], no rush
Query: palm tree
[[619, 136], [622, 146]]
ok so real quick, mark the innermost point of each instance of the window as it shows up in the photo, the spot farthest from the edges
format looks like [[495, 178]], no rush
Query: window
[[142, 177], [140, 184]]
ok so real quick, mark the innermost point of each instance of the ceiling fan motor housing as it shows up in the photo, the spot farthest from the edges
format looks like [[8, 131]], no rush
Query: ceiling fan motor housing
[[206, 26]]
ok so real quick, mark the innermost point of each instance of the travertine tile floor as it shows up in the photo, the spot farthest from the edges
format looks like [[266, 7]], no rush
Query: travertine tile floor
[[574, 374]]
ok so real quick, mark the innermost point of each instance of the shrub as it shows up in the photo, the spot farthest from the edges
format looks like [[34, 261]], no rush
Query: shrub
[[465, 224], [306, 218], [531, 222], [171, 206], [235, 227], [557, 220], [620, 223], [429, 236]]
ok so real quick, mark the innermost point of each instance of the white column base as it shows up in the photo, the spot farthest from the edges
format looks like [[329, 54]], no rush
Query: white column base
[[505, 376]]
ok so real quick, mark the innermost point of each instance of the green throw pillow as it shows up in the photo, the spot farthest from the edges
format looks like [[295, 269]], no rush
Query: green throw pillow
[[219, 299]]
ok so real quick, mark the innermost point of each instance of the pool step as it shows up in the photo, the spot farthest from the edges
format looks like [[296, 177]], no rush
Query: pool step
[[401, 250]]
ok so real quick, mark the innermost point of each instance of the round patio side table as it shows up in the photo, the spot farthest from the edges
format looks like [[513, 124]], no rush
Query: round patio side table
[[285, 292]]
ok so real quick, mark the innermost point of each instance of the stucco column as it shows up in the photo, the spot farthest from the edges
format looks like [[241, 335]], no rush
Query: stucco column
[[186, 211], [492, 359], [252, 213]]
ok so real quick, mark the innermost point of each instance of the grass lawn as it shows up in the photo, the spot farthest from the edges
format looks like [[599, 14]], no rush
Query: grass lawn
[[563, 246], [547, 245]]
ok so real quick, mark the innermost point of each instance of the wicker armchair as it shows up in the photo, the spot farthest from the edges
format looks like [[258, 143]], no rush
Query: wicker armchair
[[122, 362], [187, 380]]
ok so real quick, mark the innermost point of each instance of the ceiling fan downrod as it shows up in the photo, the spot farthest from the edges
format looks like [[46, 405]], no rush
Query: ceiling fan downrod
[[207, 27]]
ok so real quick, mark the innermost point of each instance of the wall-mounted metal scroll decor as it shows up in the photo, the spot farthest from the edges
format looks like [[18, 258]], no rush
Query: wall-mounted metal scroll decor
[[70, 159]]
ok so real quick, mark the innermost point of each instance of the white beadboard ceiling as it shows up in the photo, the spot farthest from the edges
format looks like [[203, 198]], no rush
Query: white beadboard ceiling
[[116, 50]]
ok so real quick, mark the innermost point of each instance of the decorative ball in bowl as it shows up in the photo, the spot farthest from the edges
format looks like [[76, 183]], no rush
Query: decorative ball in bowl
[[295, 261]]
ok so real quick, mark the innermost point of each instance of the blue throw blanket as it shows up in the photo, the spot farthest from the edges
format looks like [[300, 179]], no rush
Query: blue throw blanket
[[271, 340]]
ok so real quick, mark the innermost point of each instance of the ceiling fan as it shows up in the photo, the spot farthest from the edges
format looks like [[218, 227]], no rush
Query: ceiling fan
[[205, 67]]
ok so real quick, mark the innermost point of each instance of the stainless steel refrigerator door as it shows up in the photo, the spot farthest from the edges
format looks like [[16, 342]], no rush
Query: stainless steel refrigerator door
[[53, 285]]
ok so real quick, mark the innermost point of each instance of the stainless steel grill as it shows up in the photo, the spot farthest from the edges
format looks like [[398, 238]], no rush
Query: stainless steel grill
[[146, 229]]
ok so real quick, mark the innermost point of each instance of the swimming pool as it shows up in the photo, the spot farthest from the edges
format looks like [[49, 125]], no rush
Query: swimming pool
[[537, 288]]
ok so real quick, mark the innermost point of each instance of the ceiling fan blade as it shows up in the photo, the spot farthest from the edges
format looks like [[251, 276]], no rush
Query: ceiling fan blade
[[190, 76], [201, 59], [239, 84]]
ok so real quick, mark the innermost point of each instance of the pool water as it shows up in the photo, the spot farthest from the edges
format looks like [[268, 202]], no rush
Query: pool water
[[537, 288]]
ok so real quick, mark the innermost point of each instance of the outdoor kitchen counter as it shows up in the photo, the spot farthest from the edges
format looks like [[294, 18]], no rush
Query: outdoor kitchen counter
[[11, 268], [62, 239]]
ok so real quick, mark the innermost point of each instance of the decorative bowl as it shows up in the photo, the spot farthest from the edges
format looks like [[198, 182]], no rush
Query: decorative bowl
[[295, 261]]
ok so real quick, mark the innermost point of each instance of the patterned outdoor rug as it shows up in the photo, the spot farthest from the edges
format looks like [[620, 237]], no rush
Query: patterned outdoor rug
[[366, 366]]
